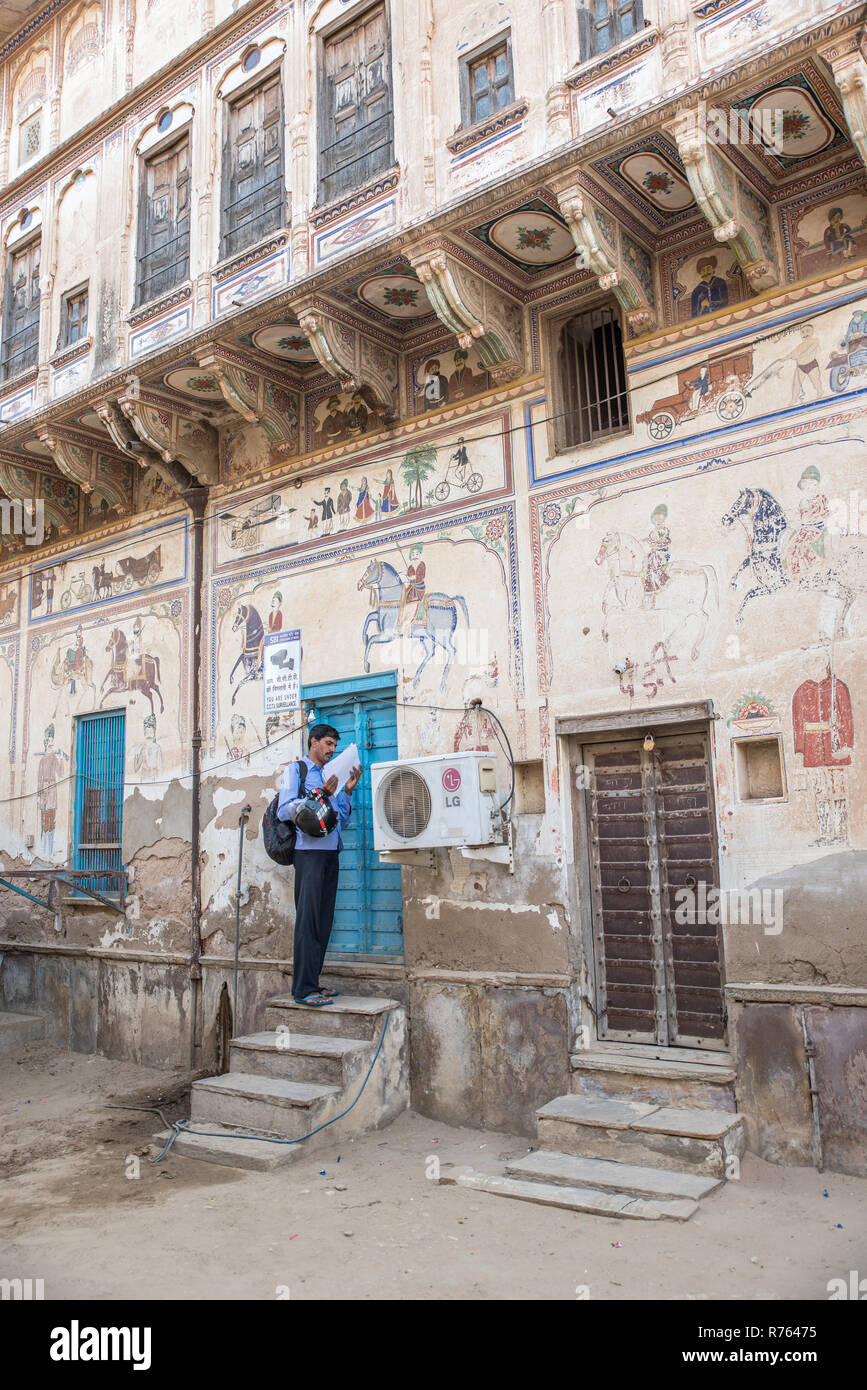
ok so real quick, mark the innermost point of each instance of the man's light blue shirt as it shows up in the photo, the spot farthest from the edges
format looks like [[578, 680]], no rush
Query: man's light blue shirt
[[289, 801]]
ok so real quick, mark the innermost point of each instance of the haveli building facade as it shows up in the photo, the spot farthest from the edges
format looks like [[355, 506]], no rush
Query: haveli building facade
[[512, 354]]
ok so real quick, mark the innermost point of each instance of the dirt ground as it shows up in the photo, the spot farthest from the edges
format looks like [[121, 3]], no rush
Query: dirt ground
[[362, 1220]]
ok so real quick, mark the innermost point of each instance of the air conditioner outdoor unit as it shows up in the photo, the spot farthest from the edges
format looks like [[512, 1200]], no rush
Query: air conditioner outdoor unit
[[428, 802]]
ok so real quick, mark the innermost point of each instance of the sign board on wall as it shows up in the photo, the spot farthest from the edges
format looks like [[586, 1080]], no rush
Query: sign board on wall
[[282, 671]]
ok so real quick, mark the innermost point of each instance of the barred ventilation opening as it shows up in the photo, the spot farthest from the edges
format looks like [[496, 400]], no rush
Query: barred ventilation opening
[[406, 803]]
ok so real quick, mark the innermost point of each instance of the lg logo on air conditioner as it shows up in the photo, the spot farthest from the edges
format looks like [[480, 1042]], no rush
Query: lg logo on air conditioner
[[451, 784]]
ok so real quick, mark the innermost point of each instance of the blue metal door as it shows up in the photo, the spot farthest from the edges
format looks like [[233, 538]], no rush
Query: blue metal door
[[99, 798], [368, 917]]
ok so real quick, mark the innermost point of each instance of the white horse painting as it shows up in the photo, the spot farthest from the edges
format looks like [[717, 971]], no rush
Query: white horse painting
[[678, 614]]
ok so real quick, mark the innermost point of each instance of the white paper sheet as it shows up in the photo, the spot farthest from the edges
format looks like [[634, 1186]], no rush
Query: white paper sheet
[[341, 764]]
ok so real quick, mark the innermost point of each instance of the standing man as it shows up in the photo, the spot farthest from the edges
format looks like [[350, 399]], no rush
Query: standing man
[[317, 863]]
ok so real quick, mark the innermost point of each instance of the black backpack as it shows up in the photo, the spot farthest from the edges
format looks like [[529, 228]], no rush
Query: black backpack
[[279, 835]]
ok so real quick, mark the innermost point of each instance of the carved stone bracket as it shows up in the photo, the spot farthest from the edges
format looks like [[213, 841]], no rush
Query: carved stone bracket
[[91, 468], [58, 497], [257, 396], [604, 248], [479, 315], [846, 59], [176, 432], [737, 215], [355, 360]]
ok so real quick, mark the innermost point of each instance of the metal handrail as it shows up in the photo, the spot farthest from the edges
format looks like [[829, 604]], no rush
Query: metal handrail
[[56, 876]]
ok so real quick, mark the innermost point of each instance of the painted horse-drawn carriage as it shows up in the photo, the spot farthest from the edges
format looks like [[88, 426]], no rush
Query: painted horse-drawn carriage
[[129, 570], [718, 384]]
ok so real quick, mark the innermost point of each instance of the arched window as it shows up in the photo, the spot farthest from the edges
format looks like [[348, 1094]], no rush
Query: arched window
[[29, 111]]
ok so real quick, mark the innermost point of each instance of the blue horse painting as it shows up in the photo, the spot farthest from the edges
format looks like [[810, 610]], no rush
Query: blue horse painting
[[383, 624], [766, 521], [252, 646]]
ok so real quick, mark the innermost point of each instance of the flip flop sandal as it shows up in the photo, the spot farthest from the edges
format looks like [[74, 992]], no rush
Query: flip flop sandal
[[314, 1000], [330, 993]]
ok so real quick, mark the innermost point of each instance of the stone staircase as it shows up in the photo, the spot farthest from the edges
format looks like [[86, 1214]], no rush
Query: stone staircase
[[18, 1029], [286, 1082], [644, 1133]]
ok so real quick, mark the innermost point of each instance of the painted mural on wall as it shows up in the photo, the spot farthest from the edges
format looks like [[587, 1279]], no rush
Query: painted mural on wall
[[793, 551], [827, 236], [94, 576], [824, 737], [704, 282], [443, 377], [9, 601], [435, 601], [343, 416], [445, 469], [9, 649], [687, 577]]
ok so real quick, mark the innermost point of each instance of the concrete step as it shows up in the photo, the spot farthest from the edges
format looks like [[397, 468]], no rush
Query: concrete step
[[347, 1016], [18, 1029], [586, 1199], [571, 1171], [268, 1104], [299, 1056], [222, 1145], [624, 1131], [662, 1080]]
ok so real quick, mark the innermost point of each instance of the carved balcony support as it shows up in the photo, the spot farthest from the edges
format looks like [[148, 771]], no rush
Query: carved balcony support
[[175, 431], [91, 468], [356, 361], [129, 443], [259, 397], [621, 265], [846, 59], [479, 315], [736, 215]]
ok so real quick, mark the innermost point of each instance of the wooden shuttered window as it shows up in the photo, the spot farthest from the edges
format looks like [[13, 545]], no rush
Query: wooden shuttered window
[[21, 311], [603, 24], [486, 83], [73, 318], [357, 125], [592, 378], [164, 223], [254, 197]]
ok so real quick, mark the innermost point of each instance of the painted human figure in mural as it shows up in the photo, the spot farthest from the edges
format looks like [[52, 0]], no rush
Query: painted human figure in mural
[[333, 427], [711, 292], [700, 388], [363, 504], [312, 520], [824, 736], [388, 502], [275, 615], [344, 504], [856, 329], [656, 574], [49, 773], [237, 737], [808, 543], [49, 579], [414, 591], [461, 459], [357, 415], [434, 388], [838, 238], [147, 758], [327, 508], [75, 665], [462, 382], [133, 669]]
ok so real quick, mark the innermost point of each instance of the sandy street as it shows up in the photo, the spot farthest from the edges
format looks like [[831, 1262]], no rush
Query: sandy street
[[371, 1225]]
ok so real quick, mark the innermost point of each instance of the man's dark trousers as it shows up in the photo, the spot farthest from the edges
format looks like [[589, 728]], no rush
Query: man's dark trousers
[[316, 873]]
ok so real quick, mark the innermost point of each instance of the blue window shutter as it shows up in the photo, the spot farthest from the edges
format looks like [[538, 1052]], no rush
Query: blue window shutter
[[98, 807]]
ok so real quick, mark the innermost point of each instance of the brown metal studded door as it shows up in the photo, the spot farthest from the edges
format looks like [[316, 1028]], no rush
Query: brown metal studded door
[[651, 830]]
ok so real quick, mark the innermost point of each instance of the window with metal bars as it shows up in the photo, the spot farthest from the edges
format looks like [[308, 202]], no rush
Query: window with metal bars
[[603, 24], [164, 222], [486, 82], [356, 129], [21, 312], [73, 317], [98, 804], [591, 372], [254, 197]]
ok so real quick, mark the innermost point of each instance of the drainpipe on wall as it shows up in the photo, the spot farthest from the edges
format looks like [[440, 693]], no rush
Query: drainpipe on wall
[[810, 1052], [196, 499]]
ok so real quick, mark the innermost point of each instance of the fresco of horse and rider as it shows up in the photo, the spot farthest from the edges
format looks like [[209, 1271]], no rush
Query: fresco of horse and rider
[[696, 571]]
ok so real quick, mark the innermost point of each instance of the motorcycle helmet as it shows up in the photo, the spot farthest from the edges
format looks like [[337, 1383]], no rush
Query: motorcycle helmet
[[316, 816]]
